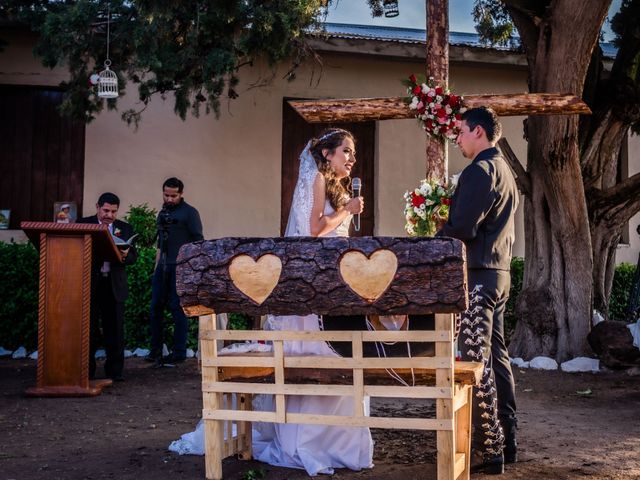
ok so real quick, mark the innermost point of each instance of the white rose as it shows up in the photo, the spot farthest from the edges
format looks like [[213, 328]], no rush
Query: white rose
[[414, 103]]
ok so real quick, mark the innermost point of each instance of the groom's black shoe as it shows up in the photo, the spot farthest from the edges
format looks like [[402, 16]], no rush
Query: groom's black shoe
[[509, 427], [490, 465]]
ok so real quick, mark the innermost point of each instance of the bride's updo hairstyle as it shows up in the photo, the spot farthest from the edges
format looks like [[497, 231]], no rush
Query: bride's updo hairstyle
[[338, 191]]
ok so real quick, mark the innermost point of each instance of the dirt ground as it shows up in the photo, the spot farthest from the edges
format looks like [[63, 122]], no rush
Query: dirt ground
[[124, 433]]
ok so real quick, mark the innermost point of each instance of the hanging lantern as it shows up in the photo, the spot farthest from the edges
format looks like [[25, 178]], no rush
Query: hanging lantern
[[390, 8], [107, 82]]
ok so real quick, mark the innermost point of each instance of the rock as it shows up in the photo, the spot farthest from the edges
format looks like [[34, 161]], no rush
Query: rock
[[5, 353], [520, 363], [165, 350], [613, 343], [20, 353], [190, 353], [141, 352], [543, 363], [128, 353], [581, 364], [101, 353], [34, 355], [596, 318]]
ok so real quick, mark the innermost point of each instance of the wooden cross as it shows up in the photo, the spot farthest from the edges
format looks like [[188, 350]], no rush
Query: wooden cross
[[366, 109]]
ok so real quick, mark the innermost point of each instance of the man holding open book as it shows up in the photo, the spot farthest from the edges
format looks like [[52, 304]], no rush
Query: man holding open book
[[109, 289]]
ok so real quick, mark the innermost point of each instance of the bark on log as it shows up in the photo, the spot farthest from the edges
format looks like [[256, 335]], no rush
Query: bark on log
[[367, 109], [430, 276]]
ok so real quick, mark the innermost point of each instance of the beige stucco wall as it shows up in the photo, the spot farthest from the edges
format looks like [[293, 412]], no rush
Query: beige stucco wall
[[231, 166]]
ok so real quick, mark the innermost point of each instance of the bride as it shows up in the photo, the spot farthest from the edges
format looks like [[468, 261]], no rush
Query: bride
[[321, 206]]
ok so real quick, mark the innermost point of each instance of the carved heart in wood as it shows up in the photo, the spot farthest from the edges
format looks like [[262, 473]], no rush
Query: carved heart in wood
[[255, 279], [369, 277]]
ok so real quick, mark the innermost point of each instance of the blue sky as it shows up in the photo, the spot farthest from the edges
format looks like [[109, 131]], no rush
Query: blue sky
[[412, 15]]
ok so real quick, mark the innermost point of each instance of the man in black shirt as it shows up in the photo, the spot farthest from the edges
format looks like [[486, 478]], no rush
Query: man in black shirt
[[178, 223], [482, 216]]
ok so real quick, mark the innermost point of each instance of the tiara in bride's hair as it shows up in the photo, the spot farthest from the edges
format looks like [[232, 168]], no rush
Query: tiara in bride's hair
[[327, 135]]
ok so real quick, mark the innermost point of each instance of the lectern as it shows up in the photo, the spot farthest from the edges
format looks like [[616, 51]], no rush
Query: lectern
[[64, 302]]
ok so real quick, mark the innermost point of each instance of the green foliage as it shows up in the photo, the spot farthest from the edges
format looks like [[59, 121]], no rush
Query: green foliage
[[510, 317], [143, 220], [136, 314], [239, 321], [18, 296], [622, 281], [191, 48], [254, 474], [493, 22]]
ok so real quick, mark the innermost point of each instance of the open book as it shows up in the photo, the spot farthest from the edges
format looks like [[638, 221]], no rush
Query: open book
[[123, 244]]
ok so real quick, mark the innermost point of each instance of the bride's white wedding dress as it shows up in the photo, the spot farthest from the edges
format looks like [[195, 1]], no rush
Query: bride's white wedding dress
[[314, 448]]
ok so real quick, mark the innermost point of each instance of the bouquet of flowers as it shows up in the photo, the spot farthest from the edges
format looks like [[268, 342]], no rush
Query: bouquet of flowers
[[427, 206], [438, 110]]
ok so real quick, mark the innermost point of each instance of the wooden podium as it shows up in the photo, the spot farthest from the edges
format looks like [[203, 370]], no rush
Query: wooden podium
[[64, 303]]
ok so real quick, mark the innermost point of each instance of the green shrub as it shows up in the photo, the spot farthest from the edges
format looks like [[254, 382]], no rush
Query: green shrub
[[510, 318], [143, 220], [622, 280], [136, 313], [18, 296]]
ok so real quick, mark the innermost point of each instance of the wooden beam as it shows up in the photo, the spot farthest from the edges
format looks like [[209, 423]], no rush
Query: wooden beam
[[437, 161], [466, 373], [367, 109]]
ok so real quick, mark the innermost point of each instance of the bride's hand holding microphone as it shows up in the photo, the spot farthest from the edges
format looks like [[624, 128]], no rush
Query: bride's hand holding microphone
[[355, 205]]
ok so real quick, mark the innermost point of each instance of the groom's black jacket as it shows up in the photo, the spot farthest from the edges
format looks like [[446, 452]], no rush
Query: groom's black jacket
[[482, 211]]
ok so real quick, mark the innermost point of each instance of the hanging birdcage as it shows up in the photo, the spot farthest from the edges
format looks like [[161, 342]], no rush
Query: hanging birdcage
[[107, 82], [390, 8]]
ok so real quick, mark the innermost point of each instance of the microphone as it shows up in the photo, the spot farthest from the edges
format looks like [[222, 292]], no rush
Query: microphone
[[356, 183]]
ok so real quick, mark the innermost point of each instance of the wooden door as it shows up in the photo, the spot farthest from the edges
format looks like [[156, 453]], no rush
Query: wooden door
[[296, 132], [42, 154]]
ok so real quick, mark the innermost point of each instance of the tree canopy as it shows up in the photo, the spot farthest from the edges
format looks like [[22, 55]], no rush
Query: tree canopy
[[192, 48]]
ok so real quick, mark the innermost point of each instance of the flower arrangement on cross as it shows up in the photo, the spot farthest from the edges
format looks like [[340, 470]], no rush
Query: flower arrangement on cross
[[437, 109]]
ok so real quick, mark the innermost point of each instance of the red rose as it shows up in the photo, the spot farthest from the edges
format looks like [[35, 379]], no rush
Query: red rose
[[416, 90], [441, 112], [439, 90], [416, 200], [445, 201], [413, 79], [454, 100]]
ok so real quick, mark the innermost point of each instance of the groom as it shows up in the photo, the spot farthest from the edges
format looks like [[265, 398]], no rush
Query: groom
[[482, 216]]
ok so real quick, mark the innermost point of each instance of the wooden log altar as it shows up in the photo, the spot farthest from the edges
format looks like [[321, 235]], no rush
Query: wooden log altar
[[327, 276], [366, 109]]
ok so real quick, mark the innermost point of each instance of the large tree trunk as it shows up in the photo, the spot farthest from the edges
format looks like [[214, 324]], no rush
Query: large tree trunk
[[554, 307]]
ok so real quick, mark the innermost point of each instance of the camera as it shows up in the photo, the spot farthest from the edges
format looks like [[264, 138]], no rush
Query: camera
[[164, 218]]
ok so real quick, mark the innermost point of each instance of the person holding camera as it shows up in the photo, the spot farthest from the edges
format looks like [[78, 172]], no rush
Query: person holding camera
[[178, 223]]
